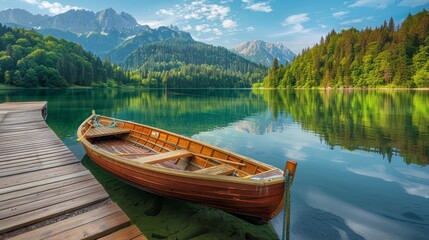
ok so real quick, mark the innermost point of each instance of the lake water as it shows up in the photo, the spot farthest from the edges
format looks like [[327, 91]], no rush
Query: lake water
[[362, 155]]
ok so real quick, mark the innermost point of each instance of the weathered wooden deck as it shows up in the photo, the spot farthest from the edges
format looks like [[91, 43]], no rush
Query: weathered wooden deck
[[45, 192]]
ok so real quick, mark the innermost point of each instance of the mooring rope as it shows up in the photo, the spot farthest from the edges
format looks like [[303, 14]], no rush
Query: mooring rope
[[113, 123], [286, 217], [96, 121]]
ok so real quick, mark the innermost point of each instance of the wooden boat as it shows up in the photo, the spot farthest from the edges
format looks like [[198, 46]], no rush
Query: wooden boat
[[175, 166]]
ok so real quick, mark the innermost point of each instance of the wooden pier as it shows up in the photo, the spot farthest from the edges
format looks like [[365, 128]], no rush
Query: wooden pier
[[45, 192]]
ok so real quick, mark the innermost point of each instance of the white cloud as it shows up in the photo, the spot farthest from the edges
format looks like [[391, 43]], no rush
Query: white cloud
[[205, 28], [340, 14], [413, 3], [192, 15], [187, 28], [32, 2], [413, 173], [380, 4], [216, 11], [205, 19], [228, 23], [367, 224], [168, 12], [259, 7], [322, 26], [250, 29], [296, 19], [200, 10], [357, 20], [52, 7], [294, 22], [152, 24], [201, 27], [217, 32], [209, 39], [380, 172]]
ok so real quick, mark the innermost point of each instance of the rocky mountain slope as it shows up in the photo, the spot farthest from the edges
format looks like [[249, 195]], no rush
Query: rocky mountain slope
[[262, 52], [98, 32]]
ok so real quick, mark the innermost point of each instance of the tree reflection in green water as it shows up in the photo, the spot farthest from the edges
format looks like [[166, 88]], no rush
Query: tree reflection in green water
[[386, 122]]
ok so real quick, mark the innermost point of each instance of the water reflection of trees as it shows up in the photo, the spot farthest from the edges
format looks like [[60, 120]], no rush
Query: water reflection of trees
[[186, 111], [191, 111], [385, 122]]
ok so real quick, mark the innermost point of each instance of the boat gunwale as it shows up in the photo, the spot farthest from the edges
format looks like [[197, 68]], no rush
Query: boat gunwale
[[194, 175]]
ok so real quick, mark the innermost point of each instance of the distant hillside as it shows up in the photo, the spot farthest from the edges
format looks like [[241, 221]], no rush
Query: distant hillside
[[264, 53], [28, 59], [162, 57], [121, 51], [97, 32], [386, 56], [186, 63]]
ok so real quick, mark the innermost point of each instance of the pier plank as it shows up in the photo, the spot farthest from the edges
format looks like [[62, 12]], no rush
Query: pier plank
[[42, 182], [42, 203], [40, 175], [30, 199], [40, 188], [97, 228], [76, 221], [41, 214], [131, 232]]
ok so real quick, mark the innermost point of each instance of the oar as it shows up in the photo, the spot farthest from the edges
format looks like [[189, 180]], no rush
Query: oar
[[87, 131]]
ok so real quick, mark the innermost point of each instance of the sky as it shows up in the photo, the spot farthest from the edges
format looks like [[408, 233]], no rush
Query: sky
[[298, 24]]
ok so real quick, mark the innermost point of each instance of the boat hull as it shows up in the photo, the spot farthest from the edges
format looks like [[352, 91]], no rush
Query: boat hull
[[255, 189], [260, 202]]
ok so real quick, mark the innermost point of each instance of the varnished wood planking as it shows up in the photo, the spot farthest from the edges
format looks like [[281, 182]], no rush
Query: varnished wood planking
[[105, 131], [48, 195], [46, 187], [40, 179], [41, 214], [88, 225], [97, 228], [40, 175], [76, 221], [46, 202], [130, 232], [36, 166], [28, 185]]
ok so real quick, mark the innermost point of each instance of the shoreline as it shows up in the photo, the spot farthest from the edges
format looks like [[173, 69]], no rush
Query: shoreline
[[348, 89], [5, 87]]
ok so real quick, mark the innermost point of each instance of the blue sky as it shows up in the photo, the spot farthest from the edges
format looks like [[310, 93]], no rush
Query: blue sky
[[297, 24]]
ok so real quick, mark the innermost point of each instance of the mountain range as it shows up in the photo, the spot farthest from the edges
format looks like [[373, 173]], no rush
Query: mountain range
[[155, 57], [264, 53], [116, 35], [105, 33]]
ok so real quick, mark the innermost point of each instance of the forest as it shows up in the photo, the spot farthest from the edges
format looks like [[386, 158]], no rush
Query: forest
[[27, 59], [390, 56], [179, 63]]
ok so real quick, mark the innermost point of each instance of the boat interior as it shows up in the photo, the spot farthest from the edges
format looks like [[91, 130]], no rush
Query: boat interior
[[150, 148]]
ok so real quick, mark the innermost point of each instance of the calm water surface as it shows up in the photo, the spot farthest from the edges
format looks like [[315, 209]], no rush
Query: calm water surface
[[362, 155]]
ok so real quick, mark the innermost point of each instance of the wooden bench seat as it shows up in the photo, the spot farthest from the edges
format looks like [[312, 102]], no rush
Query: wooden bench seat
[[106, 131], [161, 157], [221, 169]]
